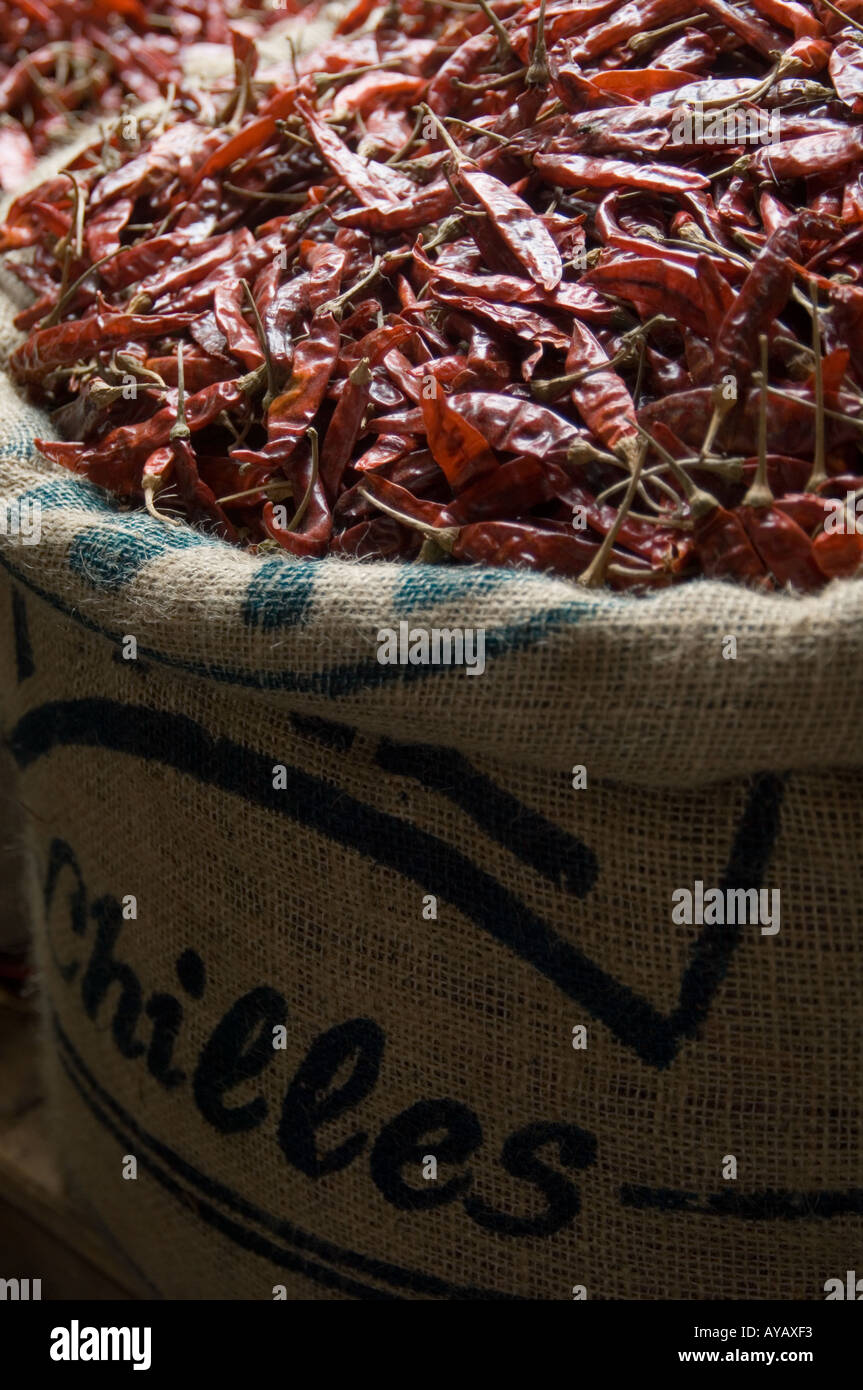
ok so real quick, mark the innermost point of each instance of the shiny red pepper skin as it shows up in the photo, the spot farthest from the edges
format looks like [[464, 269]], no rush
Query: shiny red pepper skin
[[68, 342], [584, 273]]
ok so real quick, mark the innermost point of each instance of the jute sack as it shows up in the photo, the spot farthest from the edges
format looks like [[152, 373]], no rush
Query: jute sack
[[203, 64], [382, 1004]]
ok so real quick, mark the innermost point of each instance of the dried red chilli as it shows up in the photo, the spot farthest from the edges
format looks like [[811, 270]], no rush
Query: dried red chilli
[[59, 57], [473, 284]]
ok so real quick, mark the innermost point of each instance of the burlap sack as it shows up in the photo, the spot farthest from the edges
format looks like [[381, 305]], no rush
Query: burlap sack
[[242, 821], [582, 1067], [202, 63]]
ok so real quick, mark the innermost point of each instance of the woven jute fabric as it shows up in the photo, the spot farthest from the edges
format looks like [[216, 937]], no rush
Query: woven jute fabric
[[506, 1069]]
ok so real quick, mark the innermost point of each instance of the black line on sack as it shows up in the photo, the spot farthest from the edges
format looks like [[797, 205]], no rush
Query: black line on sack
[[21, 627], [414, 1280], [178, 741], [546, 847], [241, 1235], [770, 1205], [325, 731], [754, 839], [140, 668]]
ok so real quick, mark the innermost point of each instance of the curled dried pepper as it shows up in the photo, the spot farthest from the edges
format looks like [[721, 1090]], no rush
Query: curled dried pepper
[[829, 153], [579, 171], [456, 444], [518, 225], [654, 286], [66, 343], [291, 413], [601, 397], [344, 428], [197, 498], [113, 461]]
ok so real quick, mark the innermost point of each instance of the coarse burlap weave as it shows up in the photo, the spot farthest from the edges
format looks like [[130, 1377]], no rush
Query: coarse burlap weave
[[474, 961]]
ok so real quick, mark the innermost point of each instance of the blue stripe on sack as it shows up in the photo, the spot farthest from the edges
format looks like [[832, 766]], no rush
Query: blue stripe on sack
[[111, 555], [279, 595], [56, 494], [22, 445], [338, 681], [423, 586]]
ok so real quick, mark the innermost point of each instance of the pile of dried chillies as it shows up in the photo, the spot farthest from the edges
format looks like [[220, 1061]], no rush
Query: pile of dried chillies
[[63, 58], [467, 285]]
